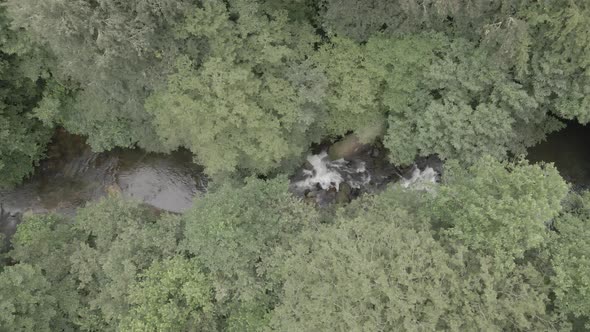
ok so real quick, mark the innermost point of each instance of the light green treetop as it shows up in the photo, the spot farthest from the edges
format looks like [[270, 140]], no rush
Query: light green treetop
[[383, 269], [499, 208], [232, 232], [237, 104], [172, 295], [570, 258], [26, 301]]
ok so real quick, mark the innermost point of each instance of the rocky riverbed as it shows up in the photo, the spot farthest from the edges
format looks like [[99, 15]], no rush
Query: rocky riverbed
[[73, 175]]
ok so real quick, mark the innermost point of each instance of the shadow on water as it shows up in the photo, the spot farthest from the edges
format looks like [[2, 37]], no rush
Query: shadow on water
[[569, 150], [73, 175]]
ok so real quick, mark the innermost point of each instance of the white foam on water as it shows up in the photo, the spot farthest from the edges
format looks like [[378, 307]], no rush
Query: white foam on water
[[421, 180], [328, 174], [321, 174]]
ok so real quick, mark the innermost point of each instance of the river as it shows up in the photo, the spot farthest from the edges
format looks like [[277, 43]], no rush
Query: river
[[73, 175], [569, 150]]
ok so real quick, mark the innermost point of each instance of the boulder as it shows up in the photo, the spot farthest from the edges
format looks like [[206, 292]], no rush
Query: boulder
[[344, 194], [354, 144]]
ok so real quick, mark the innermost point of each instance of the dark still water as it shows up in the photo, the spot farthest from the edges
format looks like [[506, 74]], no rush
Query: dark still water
[[569, 150], [73, 175]]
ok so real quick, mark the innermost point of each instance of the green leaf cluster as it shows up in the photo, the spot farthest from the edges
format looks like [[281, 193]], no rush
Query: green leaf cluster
[[570, 259], [23, 137], [497, 246], [232, 234], [239, 103], [460, 259], [249, 85]]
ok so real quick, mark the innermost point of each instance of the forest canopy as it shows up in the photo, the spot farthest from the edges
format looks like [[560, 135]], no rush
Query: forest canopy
[[252, 257], [250, 87]]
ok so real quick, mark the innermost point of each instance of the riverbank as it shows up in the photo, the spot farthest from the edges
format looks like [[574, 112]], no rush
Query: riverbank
[[73, 175]]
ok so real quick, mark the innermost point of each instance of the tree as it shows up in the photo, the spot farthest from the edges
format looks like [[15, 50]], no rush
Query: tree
[[351, 100], [237, 105], [231, 233], [24, 138], [109, 56], [120, 240], [437, 95], [500, 209], [559, 62], [25, 299], [570, 259], [360, 20], [92, 262], [505, 67], [382, 269], [46, 242], [172, 295], [465, 108]]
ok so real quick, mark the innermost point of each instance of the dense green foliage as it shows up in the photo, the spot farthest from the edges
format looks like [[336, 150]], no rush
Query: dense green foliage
[[231, 234], [172, 295], [476, 254], [571, 257], [23, 138], [249, 86], [383, 271], [26, 300], [110, 55], [479, 204], [413, 261], [439, 96], [93, 263], [558, 62], [236, 103]]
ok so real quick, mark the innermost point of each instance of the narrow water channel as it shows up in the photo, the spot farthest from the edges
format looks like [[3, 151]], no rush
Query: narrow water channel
[[569, 150], [73, 175]]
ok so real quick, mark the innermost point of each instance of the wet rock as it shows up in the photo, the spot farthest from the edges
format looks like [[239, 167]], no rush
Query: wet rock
[[347, 148], [432, 161], [344, 194], [375, 153], [354, 144], [113, 189], [311, 193], [326, 198], [309, 200], [421, 179]]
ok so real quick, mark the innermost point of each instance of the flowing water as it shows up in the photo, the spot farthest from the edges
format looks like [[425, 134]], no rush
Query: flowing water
[[326, 174], [569, 150], [325, 181], [73, 175]]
